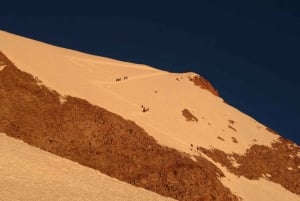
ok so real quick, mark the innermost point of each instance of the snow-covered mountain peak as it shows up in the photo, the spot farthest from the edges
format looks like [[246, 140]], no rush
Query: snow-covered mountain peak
[[109, 114], [123, 88]]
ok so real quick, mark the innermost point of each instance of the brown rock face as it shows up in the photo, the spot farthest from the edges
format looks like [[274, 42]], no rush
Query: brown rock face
[[204, 84], [99, 139], [279, 163]]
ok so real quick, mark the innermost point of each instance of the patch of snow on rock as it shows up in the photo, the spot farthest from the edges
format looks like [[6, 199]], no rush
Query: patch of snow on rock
[[62, 99], [234, 162], [2, 67], [268, 175]]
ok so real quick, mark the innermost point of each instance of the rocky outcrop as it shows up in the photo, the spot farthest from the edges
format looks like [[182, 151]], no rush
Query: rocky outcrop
[[73, 128], [279, 163], [204, 84], [188, 115]]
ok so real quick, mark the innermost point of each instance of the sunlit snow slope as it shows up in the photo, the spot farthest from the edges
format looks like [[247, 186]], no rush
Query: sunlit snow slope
[[123, 88], [94, 78]]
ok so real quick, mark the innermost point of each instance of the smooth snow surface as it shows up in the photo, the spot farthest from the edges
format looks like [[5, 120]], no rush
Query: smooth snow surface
[[28, 173], [123, 88]]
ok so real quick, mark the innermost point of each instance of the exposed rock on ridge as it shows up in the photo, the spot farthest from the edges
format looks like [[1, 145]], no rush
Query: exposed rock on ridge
[[204, 84]]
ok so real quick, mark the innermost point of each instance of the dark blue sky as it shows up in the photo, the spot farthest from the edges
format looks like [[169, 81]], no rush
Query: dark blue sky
[[249, 50]]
